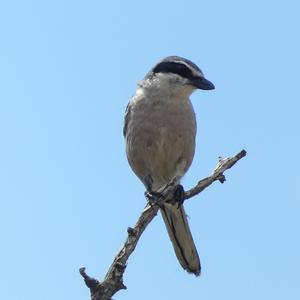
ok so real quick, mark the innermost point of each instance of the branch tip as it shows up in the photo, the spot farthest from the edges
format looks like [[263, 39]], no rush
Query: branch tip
[[90, 282], [222, 178], [242, 153]]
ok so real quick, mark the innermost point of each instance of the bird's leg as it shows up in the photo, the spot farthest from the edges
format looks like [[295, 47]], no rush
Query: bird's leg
[[154, 198], [151, 196]]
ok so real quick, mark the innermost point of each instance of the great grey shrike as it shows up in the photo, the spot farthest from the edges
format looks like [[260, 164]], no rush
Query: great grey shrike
[[160, 130]]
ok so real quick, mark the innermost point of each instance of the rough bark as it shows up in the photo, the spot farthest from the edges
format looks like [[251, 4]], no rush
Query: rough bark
[[113, 281]]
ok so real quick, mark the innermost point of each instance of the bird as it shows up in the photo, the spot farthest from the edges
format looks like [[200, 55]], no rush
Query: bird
[[160, 131]]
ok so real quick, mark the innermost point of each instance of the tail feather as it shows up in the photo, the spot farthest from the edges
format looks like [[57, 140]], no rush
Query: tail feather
[[179, 232]]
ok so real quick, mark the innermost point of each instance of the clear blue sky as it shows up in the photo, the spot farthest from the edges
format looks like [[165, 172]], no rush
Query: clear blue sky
[[67, 70]]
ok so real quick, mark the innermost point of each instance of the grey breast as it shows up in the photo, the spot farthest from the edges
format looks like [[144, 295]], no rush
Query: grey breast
[[160, 139]]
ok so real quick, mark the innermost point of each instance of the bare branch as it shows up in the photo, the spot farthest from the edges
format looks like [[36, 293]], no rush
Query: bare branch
[[223, 165], [113, 281]]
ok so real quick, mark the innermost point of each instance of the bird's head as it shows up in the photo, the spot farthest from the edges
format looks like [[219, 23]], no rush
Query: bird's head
[[180, 73]]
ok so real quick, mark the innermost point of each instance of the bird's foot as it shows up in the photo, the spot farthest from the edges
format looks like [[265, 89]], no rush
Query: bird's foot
[[179, 196], [153, 197]]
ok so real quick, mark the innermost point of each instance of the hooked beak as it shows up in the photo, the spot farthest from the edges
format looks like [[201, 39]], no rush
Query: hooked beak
[[202, 83]]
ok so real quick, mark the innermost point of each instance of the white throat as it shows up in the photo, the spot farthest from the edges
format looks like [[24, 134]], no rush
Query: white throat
[[167, 84]]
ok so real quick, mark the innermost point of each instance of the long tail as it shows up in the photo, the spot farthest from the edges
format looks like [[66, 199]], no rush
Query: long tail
[[181, 237]]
